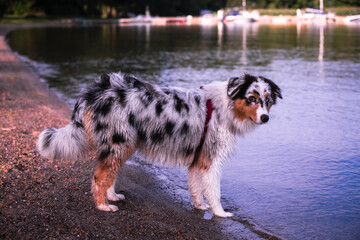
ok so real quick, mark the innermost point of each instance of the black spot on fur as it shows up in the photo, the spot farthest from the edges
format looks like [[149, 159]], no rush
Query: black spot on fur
[[96, 89], [104, 82], [129, 78], [131, 119], [157, 136], [79, 124], [197, 99], [49, 133], [141, 135], [121, 94], [184, 129], [118, 138], [103, 107], [76, 108], [147, 98], [92, 94], [159, 108], [104, 154], [138, 85], [261, 102], [169, 127], [187, 151], [186, 107], [104, 141], [100, 127], [166, 91], [179, 103], [251, 78]]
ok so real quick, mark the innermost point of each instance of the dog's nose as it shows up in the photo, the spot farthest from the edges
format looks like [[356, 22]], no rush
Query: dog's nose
[[264, 118]]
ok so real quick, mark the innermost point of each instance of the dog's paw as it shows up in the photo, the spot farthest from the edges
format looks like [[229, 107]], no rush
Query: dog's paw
[[107, 208], [202, 206], [223, 214], [115, 197]]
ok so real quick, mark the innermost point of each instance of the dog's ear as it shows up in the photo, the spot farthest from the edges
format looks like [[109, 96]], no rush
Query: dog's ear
[[275, 90], [234, 86]]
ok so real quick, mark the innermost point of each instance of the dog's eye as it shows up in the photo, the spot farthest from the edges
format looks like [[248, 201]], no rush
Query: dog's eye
[[252, 99], [267, 100]]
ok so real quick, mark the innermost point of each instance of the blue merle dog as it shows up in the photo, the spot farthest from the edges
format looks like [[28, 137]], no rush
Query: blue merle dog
[[119, 114]]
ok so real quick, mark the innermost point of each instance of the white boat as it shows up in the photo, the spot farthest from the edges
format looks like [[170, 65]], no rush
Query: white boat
[[315, 14], [352, 19], [241, 17]]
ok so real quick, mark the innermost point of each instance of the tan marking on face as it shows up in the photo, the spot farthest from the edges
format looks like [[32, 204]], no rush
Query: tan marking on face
[[242, 111], [268, 106]]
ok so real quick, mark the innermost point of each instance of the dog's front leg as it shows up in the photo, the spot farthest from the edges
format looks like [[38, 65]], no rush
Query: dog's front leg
[[196, 187], [211, 185]]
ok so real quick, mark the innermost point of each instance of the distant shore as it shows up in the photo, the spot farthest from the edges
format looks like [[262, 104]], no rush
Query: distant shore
[[159, 21], [46, 199]]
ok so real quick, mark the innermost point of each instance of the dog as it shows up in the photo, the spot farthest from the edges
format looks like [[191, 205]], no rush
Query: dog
[[119, 114]]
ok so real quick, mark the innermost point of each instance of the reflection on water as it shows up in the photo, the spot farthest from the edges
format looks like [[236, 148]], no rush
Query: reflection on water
[[297, 177]]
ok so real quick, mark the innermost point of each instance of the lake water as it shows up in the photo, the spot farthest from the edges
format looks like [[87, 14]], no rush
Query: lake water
[[297, 177]]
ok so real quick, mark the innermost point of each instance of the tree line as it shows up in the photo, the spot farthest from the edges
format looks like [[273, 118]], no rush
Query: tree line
[[125, 8]]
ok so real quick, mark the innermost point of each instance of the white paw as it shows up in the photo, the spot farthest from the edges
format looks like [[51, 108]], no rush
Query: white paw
[[202, 206], [223, 214], [115, 197], [107, 208]]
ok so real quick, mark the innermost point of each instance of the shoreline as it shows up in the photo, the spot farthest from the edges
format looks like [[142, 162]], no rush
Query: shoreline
[[52, 199]]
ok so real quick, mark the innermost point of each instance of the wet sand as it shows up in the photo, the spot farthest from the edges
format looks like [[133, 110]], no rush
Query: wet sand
[[47, 199]]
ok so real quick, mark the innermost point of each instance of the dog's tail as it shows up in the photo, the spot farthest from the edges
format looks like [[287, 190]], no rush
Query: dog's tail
[[68, 142]]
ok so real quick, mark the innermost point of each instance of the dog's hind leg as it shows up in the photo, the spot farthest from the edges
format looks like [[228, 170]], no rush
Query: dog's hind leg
[[196, 189], [211, 185], [103, 179], [112, 195]]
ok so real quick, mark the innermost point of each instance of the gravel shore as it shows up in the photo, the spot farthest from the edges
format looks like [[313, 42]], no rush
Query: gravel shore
[[47, 199]]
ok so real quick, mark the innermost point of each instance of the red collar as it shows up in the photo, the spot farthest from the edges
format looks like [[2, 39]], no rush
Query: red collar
[[209, 110]]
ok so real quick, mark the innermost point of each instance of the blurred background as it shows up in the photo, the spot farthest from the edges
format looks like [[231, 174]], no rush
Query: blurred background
[[297, 177], [123, 8]]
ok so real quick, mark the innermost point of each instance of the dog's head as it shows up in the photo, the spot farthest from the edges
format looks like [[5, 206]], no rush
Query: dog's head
[[252, 97]]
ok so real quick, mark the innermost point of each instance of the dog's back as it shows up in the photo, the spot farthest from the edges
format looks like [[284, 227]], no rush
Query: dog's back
[[119, 113]]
